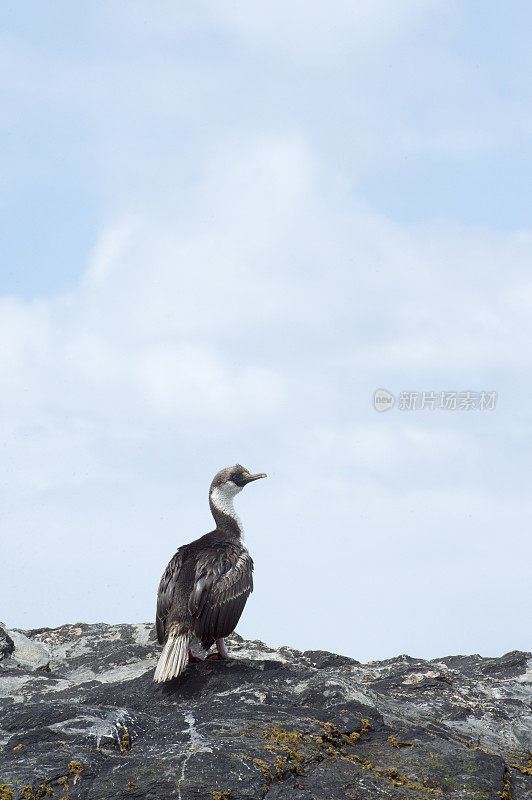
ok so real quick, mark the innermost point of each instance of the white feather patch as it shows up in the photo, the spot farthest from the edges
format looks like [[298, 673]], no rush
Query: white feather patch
[[222, 498]]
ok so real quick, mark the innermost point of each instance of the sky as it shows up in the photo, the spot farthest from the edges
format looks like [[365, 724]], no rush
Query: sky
[[223, 227]]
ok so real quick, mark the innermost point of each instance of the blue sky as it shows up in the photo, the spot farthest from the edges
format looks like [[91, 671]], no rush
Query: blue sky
[[222, 228], [58, 59]]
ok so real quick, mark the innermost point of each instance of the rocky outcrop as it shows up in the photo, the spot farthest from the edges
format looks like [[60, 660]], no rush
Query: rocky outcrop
[[81, 718]]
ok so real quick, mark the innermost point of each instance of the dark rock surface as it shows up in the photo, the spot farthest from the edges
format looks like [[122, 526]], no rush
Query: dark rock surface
[[7, 644], [81, 718]]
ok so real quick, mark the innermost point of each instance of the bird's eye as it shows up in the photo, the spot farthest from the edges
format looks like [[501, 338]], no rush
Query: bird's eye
[[236, 477]]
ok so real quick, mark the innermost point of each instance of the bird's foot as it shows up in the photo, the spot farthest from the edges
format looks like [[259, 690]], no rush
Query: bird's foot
[[192, 659]]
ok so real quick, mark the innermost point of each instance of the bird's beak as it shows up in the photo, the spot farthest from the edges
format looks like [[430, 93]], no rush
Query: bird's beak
[[249, 478]]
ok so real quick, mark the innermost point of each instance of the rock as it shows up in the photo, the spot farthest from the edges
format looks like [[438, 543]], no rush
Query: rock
[[6, 643], [27, 652], [81, 717]]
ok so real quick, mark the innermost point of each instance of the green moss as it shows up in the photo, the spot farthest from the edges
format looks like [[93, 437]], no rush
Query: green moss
[[291, 750], [524, 768], [45, 791], [124, 739], [507, 792], [26, 792], [264, 768], [401, 780], [397, 744], [75, 769], [285, 746]]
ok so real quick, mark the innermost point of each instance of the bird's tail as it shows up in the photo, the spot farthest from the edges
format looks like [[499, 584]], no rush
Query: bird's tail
[[174, 657]]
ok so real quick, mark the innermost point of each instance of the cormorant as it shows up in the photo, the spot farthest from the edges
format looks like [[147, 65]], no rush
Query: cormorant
[[205, 586]]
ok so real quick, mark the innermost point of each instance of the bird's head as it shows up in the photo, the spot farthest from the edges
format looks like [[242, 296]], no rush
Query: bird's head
[[226, 484], [231, 480]]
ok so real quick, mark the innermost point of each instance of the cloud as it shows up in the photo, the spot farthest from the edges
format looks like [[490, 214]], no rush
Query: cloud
[[297, 29], [320, 28], [268, 293]]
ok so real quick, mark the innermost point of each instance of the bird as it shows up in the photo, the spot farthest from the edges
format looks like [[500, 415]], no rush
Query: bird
[[206, 584]]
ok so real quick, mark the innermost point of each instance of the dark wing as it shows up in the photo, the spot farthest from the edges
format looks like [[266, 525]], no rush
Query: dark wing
[[166, 593], [223, 584]]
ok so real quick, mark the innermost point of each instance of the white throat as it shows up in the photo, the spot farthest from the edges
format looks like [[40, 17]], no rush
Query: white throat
[[222, 498]]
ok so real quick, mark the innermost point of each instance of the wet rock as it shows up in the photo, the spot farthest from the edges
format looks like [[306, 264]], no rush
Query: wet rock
[[81, 717]]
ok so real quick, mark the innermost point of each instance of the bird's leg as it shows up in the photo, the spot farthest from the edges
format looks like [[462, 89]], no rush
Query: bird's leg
[[222, 650], [192, 659]]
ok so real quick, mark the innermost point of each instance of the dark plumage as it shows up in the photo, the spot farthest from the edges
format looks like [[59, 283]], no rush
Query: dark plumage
[[205, 586]]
